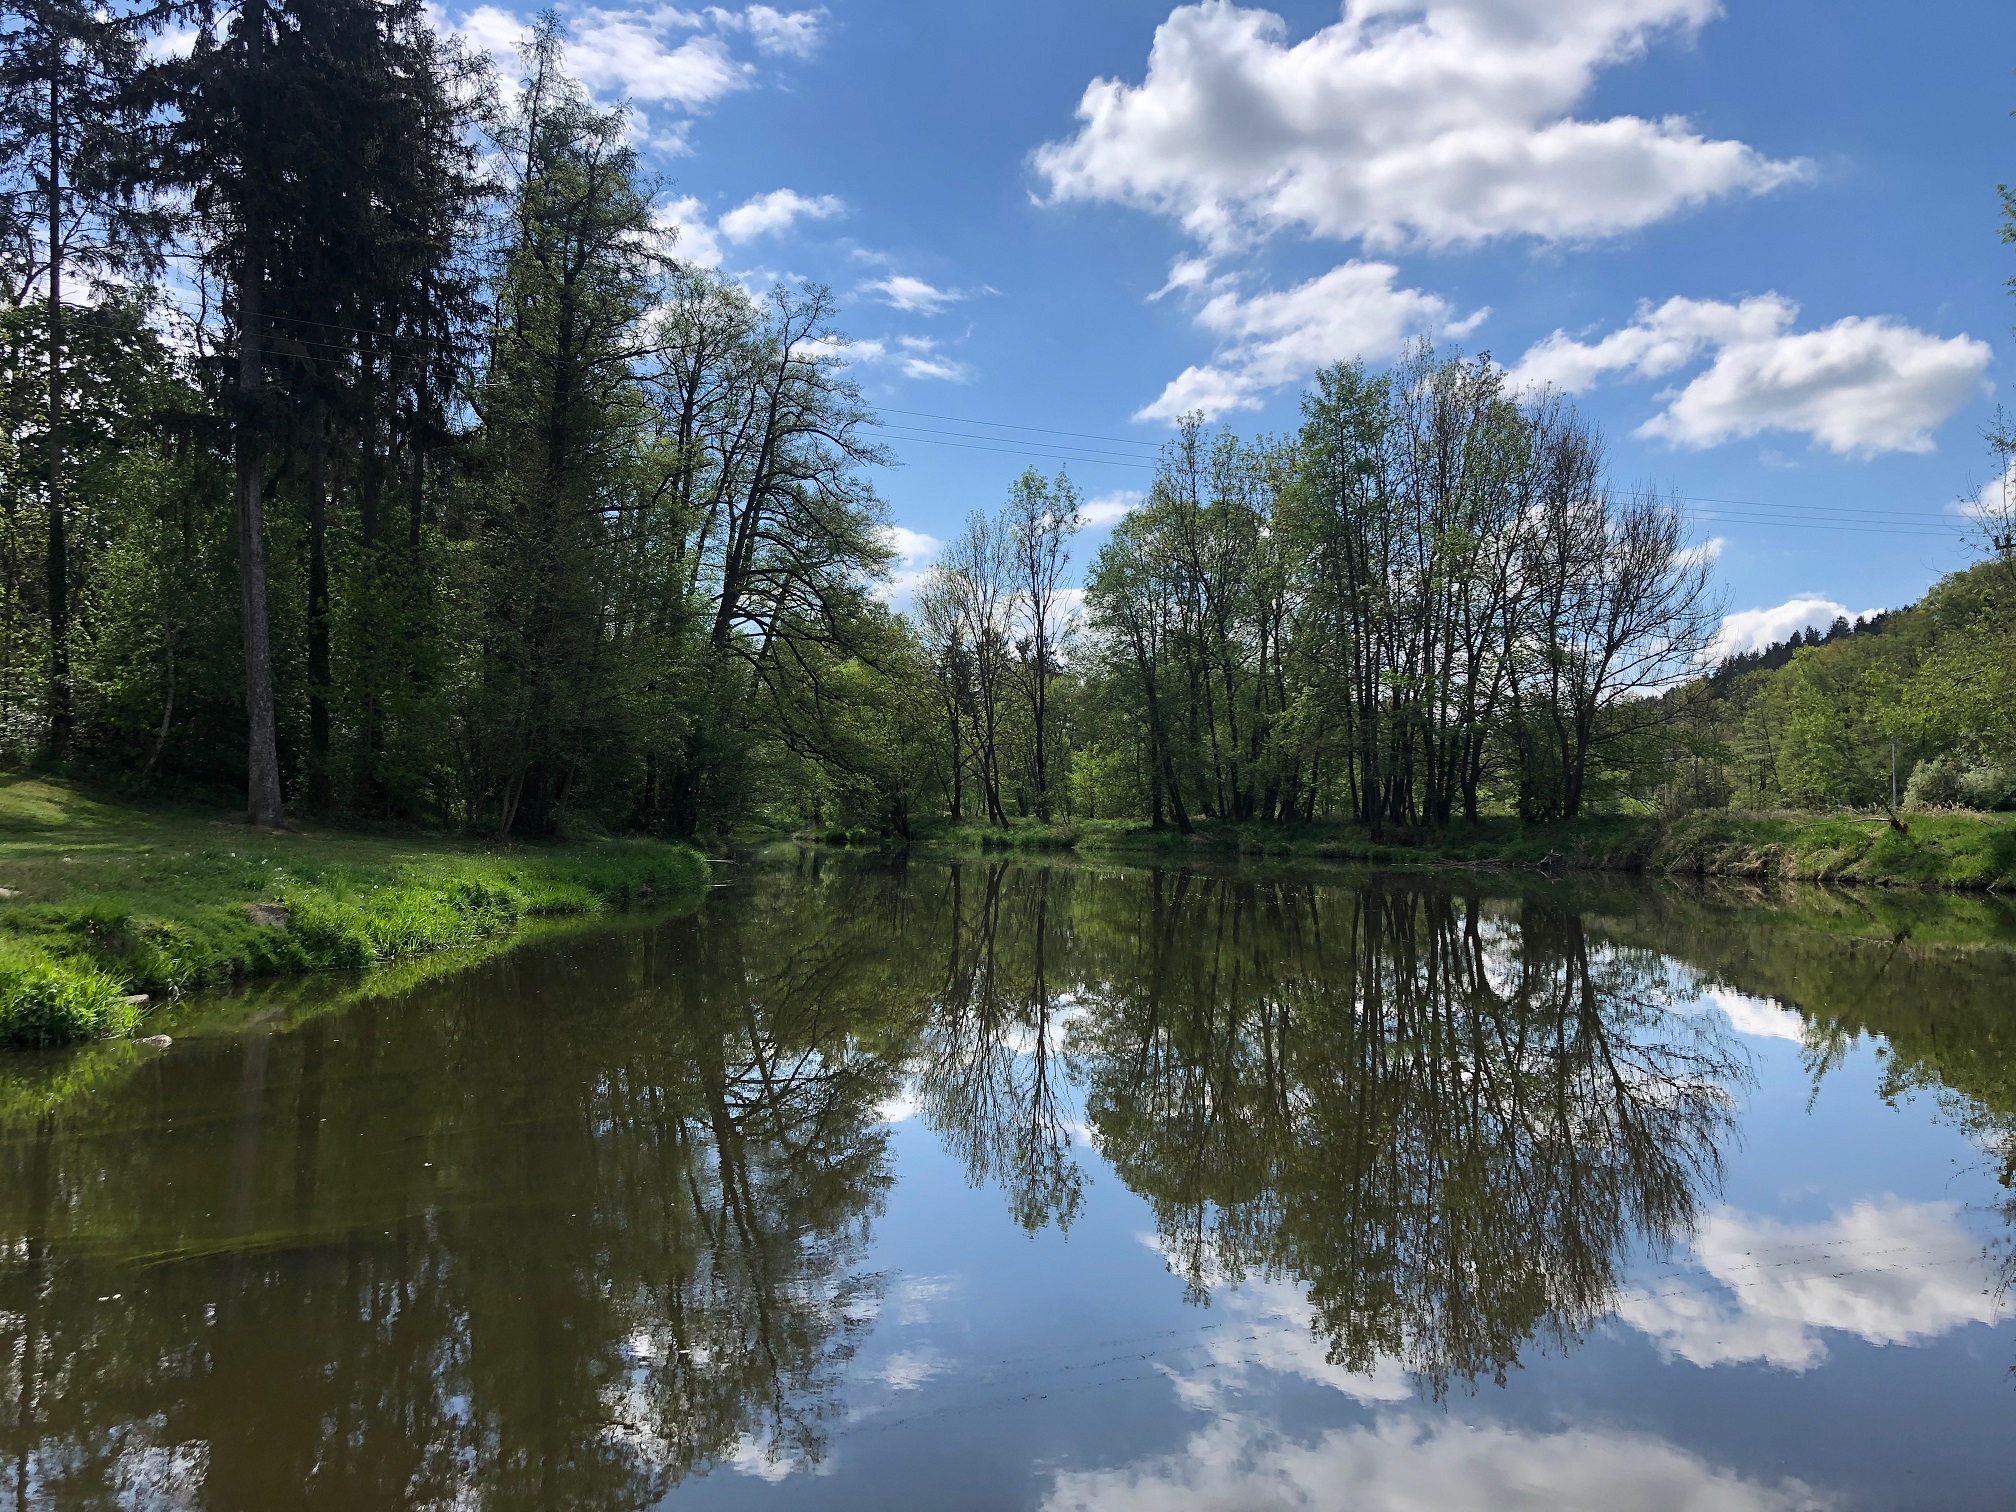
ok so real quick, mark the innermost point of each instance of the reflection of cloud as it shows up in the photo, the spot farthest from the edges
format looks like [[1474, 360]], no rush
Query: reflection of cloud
[[1890, 1274], [754, 1457], [898, 1108], [1267, 1329], [919, 1297], [1758, 1016], [910, 1368], [1407, 1464]]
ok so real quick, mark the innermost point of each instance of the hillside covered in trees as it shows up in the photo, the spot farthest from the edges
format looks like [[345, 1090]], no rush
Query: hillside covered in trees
[[370, 449]]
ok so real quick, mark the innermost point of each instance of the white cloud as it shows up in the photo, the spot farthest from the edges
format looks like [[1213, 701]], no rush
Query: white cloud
[[912, 294], [913, 548], [696, 242], [794, 34], [919, 357], [1861, 386], [777, 211], [1282, 336], [1410, 1462], [629, 53], [914, 553], [1407, 121], [1996, 501], [1658, 342], [1111, 508], [1888, 1273], [939, 369], [1707, 553], [1754, 629], [659, 56]]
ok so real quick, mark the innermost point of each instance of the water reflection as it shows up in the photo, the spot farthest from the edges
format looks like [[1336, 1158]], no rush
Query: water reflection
[[555, 1235], [594, 1218], [1452, 1127]]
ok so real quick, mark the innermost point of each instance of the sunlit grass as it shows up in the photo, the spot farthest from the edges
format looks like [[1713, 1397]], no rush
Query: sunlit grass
[[105, 901]]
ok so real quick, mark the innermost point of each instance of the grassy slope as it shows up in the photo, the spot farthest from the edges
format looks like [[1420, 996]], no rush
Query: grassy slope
[[107, 900], [1953, 850]]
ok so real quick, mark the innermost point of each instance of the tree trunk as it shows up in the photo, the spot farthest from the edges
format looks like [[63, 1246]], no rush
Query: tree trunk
[[319, 794], [59, 544], [262, 760]]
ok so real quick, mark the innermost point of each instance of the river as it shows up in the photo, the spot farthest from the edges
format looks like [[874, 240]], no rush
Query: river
[[1006, 1186]]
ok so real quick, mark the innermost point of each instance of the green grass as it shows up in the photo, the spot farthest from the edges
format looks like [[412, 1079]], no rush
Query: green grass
[[106, 900], [1939, 850]]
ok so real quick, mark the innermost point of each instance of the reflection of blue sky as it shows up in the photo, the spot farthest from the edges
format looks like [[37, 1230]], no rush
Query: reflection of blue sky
[[1821, 1342]]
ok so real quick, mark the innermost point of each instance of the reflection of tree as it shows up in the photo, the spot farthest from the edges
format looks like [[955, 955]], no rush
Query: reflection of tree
[[1930, 979], [989, 1070], [1452, 1127], [590, 1219]]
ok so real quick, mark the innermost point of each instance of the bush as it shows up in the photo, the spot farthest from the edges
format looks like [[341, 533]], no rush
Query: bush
[[1946, 783], [1934, 784], [43, 1005]]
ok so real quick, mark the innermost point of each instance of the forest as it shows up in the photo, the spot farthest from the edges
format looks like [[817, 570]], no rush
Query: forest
[[371, 453]]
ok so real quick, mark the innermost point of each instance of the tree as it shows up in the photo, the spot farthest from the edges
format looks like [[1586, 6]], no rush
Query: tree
[[68, 129], [1042, 518]]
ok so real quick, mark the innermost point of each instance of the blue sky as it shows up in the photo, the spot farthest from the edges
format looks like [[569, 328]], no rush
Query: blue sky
[[1758, 240]]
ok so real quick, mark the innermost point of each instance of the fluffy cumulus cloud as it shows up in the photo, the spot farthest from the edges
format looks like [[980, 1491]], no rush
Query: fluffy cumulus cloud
[[776, 212], [1410, 1461], [1754, 629], [1861, 386], [1433, 122], [661, 58], [1110, 508], [1888, 1273], [1279, 337], [695, 240]]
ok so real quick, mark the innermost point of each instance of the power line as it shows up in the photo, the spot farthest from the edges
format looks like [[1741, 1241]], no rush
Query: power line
[[1007, 425]]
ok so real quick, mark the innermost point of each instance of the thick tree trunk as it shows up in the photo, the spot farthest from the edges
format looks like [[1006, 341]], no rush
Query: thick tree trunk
[[59, 543], [262, 757], [320, 797]]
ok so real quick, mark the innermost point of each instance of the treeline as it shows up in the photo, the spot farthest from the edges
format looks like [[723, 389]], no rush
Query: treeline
[[369, 449], [1923, 697], [1428, 603]]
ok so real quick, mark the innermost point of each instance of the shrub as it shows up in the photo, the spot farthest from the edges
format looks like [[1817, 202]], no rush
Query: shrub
[[43, 1004]]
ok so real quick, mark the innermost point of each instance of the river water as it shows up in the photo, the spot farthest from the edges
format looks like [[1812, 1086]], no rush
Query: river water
[[999, 1186]]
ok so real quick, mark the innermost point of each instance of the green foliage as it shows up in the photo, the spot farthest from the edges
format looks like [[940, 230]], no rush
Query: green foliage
[[43, 1003]]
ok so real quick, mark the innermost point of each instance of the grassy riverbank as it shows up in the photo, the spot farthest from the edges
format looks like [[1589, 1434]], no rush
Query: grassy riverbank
[[105, 901], [1941, 850]]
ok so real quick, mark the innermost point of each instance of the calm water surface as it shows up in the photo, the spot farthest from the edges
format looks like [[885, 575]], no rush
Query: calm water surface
[[1009, 1187]]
